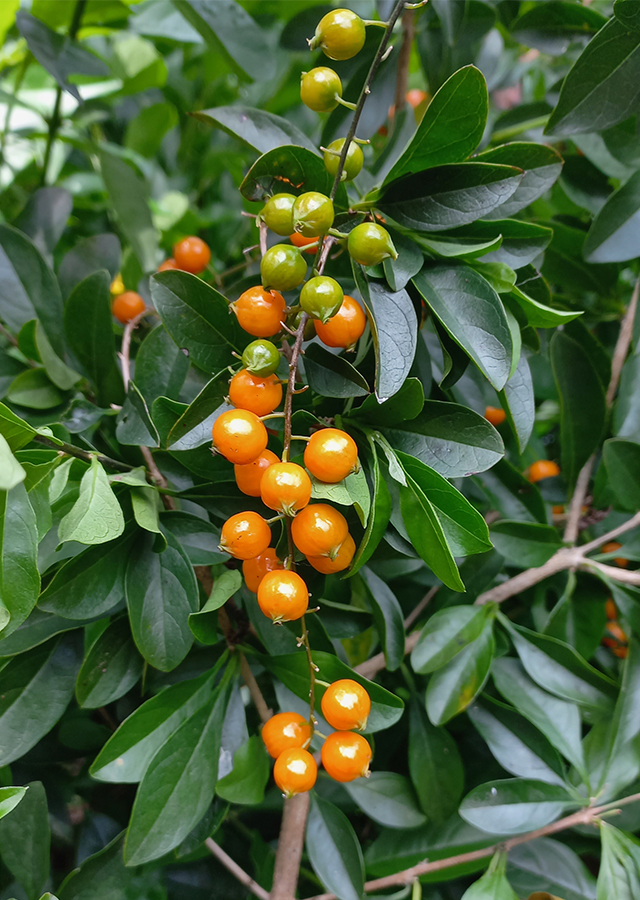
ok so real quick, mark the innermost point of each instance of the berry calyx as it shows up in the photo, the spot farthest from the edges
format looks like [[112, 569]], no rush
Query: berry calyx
[[346, 705], [370, 243], [248, 477], [259, 312], [285, 487], [340, 34], [283, 595], [239, 436], [254, 570], [331, 455], [542, 468], [342, 561], [319, 530], [346, 327], [295, 772], [495, 415], [245, 535], [261, 358], [127, 306], [320, 88], [346, 756], [277, 213], [282, 268], [259, 395], [353, 163], [312, 214], [299, 240], [192, 255], [285, 731], [321, 297]]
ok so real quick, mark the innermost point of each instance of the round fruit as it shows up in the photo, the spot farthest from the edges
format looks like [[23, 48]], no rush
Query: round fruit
[[331, 455], [340, 34], [543, 468], [259, 395], [245, 535], [255, 569], [611, 609], [260, 312], [295, 772], [319, 530], [261, 358], [495, 415], [611, 547], [312, 214], [285, 487], [239, 436], [127, 306], [282, 268], [617, 640], [299, 240], [321, 297], [346, 327], [369, 244], [285, 731], [283, 596], [168, 265], [329, 566], [277, 213], [319, 88], [346, 756], [415, 97], [346, 705], [352, 164], [248, 477], [192, 255]]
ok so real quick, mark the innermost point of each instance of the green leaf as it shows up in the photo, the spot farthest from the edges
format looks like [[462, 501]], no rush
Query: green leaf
[[334, 850], [103, 874], [161, 592], [518, 401], [614, 235], [59, 373], [525, 544], [202, 623], [410, 258], [161, 367], [603, 86], [111, 667], [446, 634], [473, 314], [406, 404], [435, 767], [34, 390], [553, 27], [622, 459], [515, 805], [128, 196], [9, 799], [96, 516], [455, 686], [146, 506], [388, 618], [295, 170], [35, 630], [388, 799], [494, 884], [331, 375], [11, 472], [145, 132], [260, 129], [193, 428], [452, 126], [198, 319], [45, 217], [542, 165], [198, 538], [19, 576], [379, 515], [89, 255], [25, 840], [15, 430], [247, 780], [619, 873], [628, 13], [134, 426]]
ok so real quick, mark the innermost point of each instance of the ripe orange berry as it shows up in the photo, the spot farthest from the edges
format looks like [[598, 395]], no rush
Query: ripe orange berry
[[543, 468], [127, 306], [346, 327], [192, 255], [285, 731], [346, 756], [295, 772], [611, 609], [248, 477], [557, 510], [255, 569], [346, 705], [495, 415], [415, 97], [260, 312], [283, 596], [167, 265], [319, 530], [299, 240], [259, 395], [331, 455], [329, 566], [239, 436], [618, 640], [245, 535], [285, 487], [611, 547]]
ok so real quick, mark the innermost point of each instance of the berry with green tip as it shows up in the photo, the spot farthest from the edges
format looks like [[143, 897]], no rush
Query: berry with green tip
[[282, 268], [321, 297], [277, 213], [319, 87], [312, 214], [352, 164], [340, 34], [261, 358], [369, 244]]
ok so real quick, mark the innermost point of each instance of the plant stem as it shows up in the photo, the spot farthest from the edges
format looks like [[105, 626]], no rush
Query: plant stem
[[232, 866], [402, 78], [12, 103], [86, 455]]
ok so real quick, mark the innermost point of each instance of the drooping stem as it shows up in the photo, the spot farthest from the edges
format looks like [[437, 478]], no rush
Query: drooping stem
[[237, 871], [78, 453]]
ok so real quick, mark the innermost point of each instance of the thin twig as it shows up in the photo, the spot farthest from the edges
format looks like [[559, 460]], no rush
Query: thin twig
[[426, 600], [125, 349], [85, 455], [404, 58], [256, 694], [232, 866]]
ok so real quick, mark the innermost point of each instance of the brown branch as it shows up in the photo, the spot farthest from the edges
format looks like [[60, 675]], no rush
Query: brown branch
[[402, 79], [232, 866], [290, 844], [78, 453], [256, 694]]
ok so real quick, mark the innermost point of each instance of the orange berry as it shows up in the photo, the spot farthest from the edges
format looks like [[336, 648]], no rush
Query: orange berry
[[260, 312], [245, 535], [285, 731], [415, 97], [295, 771], [329, 566], [331, 455], [255, 569], [239, 436], [611, 547], [248, 477], [283, 596], [346, 705], [543, 468], [557, 510], [614, 629], [495, 415], [346, 756], [127, 306], [299, 240], [192, 255], [346, 327], [319, 530], [167, 265], [285, 487], [611, 609], [259, 395]]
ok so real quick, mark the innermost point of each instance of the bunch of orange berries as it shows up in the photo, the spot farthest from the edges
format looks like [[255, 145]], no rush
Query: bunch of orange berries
[[345, 755], [616, 639]]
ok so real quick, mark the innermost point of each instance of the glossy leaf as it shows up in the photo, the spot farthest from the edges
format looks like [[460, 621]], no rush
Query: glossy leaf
[[552, 28], [334, 850], [25, 839], [111, 667], [295, 170], [621, 458], [446, 634], [550, 864], [494, 884], [525, 544], [435, 767], [247, 780], [45, 216], [627, 12], [388, 799], [193, 428], [260, 129], [406, 404], [454, 686], [614, 235], [515, 805], [620, 866], [542, 165], [89, 255], [128, 195], [379, 515], [9, 799], [134, 425], [161, 366], [19, 576], [387, 615], [96, 517], [204, 623], [103, 871], [198, 538], [331, 375], [518, 401]]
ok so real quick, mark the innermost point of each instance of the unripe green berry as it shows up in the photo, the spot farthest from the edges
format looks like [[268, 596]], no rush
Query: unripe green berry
[[321, 297], [261, 358], [318, 89], [369, 244], [352, 164], [309, 328], [340, 34], [282, 268], [312, 214], [277, 213]]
